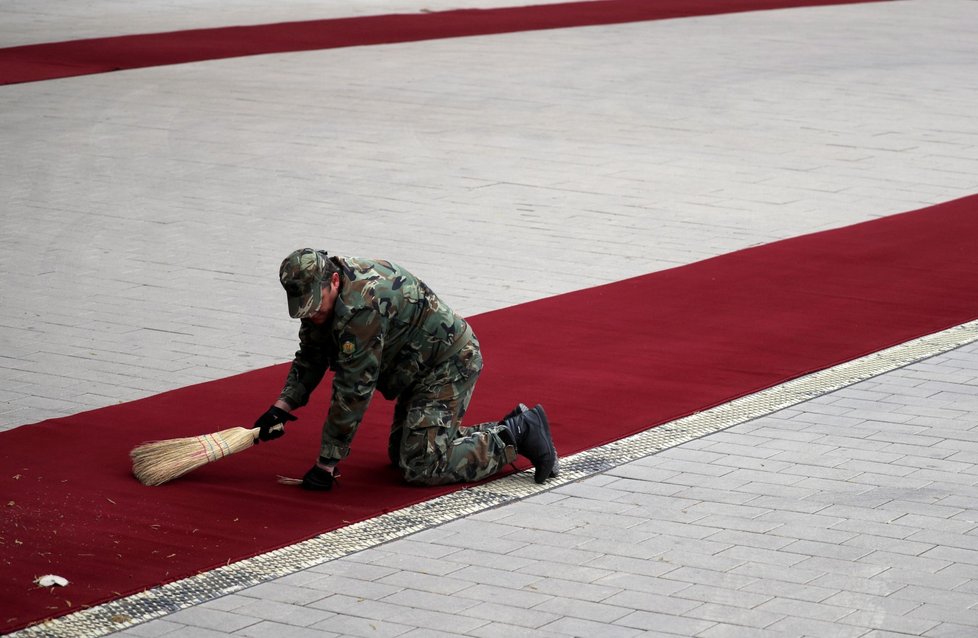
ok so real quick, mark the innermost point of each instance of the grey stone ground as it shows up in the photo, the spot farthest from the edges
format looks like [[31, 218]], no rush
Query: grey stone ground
[[145, 212]]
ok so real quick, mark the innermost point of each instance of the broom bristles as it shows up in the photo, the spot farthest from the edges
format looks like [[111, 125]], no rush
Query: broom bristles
[[157, 462]]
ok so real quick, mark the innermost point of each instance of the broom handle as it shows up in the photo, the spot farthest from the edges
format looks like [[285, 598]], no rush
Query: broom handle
[[278, 427]]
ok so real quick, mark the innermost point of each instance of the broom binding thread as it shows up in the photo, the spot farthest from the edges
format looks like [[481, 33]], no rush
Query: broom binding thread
[[214, 446]]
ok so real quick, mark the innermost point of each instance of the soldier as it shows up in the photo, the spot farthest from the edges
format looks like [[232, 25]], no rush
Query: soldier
[[380, 327]]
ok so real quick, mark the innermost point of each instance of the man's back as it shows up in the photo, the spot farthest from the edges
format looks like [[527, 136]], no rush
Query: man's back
[[382, 306]]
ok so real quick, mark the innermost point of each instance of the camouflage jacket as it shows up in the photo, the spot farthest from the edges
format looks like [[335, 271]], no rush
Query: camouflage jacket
[[388, 329]]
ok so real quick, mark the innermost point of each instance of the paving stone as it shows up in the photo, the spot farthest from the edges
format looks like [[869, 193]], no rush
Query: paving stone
[[722, 630], [664, 623], [530, 618], [581, 627], [152, 629], [425, 582], [795, 626], [212, 619], [503, 630], [348, 625], [734, 615], [415, 599], [269, 628]]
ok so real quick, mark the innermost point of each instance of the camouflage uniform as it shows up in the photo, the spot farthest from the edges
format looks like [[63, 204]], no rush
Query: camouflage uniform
[[390, 332]]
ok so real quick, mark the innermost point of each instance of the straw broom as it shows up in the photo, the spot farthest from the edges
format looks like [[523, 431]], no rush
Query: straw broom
[[157, 462]]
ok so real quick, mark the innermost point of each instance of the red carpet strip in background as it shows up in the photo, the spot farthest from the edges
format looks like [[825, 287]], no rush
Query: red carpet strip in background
[[607, 362], [31, 63]]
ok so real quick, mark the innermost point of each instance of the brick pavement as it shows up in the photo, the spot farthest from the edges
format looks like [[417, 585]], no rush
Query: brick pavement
[[145, 213]]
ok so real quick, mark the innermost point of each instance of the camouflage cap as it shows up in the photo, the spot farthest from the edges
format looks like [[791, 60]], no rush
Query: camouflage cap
[[301, 274]]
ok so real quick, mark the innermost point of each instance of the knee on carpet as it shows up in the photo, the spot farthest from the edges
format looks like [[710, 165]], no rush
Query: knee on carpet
[[430, 467], [419, 471], [420, 454]]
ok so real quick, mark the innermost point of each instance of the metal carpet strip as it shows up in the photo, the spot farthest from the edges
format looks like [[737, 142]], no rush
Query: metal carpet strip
[[160, 601]]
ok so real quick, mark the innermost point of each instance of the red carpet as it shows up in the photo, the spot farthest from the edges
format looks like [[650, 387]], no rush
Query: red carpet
[[607, 362], [31, 63]]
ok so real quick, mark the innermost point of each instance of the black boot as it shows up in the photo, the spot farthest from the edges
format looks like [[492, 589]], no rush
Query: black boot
[[530, 434], [518, 410]]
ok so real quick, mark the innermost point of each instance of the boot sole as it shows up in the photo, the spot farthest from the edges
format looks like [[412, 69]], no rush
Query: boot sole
[[555, 469]]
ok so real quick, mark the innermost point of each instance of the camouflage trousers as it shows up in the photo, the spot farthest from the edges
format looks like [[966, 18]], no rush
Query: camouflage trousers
[[428, 442]]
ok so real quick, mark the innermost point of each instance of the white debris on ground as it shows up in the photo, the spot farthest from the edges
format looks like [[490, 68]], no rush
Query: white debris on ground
[[51, 580]]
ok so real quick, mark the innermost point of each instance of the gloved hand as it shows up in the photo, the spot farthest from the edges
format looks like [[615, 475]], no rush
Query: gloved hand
[[272, 423], [320, 479]]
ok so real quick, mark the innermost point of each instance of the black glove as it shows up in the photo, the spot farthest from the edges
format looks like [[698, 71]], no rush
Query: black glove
[[320, 480], [272, 423]]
